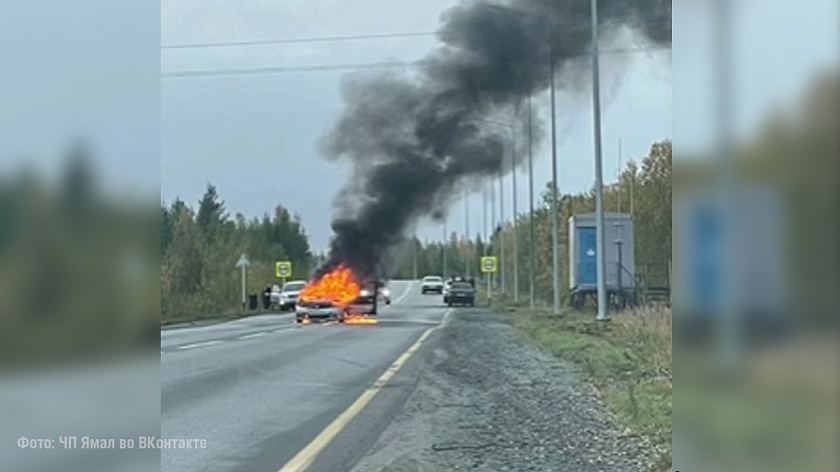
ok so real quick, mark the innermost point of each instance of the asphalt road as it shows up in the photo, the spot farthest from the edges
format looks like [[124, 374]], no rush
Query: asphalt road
[[259, 390]]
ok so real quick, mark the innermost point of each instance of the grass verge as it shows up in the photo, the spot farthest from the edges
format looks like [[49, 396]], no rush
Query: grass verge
[[628, 360]]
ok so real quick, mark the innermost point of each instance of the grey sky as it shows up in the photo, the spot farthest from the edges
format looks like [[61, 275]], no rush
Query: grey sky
[[81, 70], [254, 136]]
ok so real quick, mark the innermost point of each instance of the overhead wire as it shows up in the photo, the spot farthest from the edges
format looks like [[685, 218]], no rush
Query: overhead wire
[[353, 66]]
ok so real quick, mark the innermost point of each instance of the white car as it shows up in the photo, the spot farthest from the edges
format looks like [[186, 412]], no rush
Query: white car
[[289, 295], [318, 310], [431, 284]]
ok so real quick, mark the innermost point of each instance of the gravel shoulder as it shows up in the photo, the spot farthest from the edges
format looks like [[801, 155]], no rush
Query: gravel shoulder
[[487, 401]]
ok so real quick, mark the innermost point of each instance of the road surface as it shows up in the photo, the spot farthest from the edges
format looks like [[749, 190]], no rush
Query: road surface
[[259, 390]]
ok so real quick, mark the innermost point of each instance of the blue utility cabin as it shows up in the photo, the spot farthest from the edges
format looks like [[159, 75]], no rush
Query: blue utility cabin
[[620, 260]]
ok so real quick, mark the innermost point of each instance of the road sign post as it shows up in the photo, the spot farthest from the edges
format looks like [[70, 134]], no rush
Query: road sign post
[[489, 265], [243, 265]]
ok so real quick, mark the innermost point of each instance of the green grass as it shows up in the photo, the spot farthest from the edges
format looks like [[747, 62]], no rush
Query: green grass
[[628, 360]]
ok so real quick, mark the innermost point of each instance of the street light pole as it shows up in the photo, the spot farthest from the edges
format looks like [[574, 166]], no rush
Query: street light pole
[[484, 219], [599, 178], [728, 329], [554, 187], [555, 225], [467, 240], [445, 263], [493, 224], [414, 254], [514, 222], [531, 208], [502, 262]]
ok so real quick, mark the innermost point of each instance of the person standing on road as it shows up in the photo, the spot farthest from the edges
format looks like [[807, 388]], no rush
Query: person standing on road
[[267, 297]]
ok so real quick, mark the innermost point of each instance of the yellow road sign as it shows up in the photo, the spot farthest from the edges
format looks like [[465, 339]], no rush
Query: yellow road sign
[[489, 264], [283, 269]]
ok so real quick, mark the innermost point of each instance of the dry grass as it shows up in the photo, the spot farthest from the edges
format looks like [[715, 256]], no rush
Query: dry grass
[[628, 360], [647, 331]]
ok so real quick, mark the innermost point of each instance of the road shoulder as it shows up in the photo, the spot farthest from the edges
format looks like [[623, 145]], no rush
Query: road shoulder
[[486, 401]]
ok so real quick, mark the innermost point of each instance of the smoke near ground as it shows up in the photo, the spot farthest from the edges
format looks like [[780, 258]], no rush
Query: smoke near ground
[[415, 138]]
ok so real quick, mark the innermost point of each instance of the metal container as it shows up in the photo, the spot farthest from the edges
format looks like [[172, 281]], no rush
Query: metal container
[[620, 254]]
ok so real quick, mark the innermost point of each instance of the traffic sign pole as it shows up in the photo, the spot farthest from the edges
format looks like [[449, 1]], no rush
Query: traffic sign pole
[[243, 264]]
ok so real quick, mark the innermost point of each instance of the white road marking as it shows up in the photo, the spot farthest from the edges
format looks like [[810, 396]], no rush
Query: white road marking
[[405, 293], [197, 345], [251, 336], [307, 455]]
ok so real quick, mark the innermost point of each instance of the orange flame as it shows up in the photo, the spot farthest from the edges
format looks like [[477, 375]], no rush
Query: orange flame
[[339, 287], [360, 320]]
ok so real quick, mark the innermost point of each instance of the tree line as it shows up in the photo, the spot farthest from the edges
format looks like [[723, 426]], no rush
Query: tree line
[[199, 250], [643, 189]]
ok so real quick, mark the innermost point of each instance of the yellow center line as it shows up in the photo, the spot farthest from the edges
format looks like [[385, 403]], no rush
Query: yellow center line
[[307, 455]]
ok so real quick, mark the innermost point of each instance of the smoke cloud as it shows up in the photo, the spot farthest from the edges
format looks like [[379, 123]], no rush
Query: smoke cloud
[[414, 138]]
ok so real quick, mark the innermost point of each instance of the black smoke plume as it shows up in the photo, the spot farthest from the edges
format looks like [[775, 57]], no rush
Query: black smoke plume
[[415, 138]]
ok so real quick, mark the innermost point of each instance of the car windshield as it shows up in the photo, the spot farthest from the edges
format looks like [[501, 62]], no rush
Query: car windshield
[[432, 279], [293, 286], [462, 285]]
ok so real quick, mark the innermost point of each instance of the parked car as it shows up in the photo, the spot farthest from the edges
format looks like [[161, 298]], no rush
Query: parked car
[[289, 294], [431, 284], [461, 293]]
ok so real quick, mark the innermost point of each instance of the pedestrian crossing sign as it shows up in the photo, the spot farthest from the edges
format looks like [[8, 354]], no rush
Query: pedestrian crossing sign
[[489, 264]]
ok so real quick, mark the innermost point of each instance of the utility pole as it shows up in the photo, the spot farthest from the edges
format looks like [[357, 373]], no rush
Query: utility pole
[[467, 240], [620, 193], [445, 263], [728, 332], [599, 178], [514, 225], [531, 209], [554, 186], [484, 219], [555, 226], [414, 253], [493, 225], [502, 264]]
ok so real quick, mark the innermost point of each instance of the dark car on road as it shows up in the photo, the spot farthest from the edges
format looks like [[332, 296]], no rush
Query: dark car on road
[[460, 293]]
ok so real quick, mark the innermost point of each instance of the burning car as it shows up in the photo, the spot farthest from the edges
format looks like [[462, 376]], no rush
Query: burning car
[[338, 296], [317, 310], [367, 302]]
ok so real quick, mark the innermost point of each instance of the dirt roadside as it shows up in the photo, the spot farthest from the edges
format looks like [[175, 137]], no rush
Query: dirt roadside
[[486, 401]]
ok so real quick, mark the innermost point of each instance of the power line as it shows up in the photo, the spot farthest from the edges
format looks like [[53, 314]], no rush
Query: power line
[[285, 70], [322, 39], [356, 66], [364, 37]]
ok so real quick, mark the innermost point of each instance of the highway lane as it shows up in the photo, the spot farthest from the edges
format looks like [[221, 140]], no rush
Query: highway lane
[[260, 389]]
